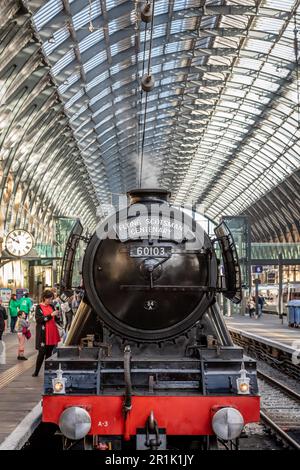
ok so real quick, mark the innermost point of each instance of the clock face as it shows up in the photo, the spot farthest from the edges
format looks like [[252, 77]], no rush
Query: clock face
[[19, 242]]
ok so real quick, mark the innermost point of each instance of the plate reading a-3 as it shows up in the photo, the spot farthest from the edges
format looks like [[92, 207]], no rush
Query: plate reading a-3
[[156, 251]]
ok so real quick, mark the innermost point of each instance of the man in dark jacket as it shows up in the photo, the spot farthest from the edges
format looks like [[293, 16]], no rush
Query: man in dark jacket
[[261, 301], [3, 318]]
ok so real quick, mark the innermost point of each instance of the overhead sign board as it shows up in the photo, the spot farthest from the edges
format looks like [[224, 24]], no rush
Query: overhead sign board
[[257, 269]]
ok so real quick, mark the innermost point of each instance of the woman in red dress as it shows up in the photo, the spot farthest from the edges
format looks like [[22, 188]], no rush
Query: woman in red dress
[[47, 335]]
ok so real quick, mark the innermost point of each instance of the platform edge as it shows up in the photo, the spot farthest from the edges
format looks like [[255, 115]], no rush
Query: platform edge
[[18, 437]]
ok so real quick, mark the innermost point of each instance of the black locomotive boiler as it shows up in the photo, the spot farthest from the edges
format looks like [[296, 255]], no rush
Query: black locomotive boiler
[[149, 362]]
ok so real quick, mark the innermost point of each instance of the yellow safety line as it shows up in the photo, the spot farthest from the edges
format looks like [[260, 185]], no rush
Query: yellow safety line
[[10, 374]]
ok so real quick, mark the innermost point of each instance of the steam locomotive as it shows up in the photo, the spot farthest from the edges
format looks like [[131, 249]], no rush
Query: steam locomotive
[[148, 363]]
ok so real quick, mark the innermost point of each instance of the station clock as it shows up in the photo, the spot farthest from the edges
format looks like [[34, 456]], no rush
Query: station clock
[[19, 242]]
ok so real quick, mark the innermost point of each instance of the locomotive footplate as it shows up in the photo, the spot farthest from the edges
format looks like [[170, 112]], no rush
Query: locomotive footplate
[[215, 371]]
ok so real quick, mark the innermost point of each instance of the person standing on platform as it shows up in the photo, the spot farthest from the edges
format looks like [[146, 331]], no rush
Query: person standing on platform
[[25, 304], [261, 301], [13, 308], [47, 334], [56, 300], [251, 307], [3, 318], [67, 312], [75, 303], [22, 326]]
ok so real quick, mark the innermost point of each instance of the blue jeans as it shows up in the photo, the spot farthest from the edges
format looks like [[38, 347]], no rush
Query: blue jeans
[[13, 321], [260, 307]]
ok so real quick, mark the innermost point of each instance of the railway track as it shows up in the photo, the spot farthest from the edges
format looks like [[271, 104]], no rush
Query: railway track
[[280, 410]]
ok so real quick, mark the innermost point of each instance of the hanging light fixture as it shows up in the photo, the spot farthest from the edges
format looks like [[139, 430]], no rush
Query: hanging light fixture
[[146, 13], [147, 83]]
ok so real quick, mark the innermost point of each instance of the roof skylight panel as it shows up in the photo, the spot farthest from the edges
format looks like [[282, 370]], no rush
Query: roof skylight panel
[[291, 162], [120, 83], [122, 97], [228, 104], [68, 82], [110, 4], [172, 64], [94, 61], [289, 128], [100, 95], [79, 112], [98, 79], [121, 66], [241, 79], [284, 52], [120, 23], [88, 13], [266, 85], [74, 98], [268, 24], [63, 62], [247, 63], [248, 109], [91, 39], [158, 31], [277, 69], [177, 46], [123, 45], [161, 7], [285, 5], [107, 105], [47, 12], [178, 26], [57, 38], [156, 68], [166, 80]]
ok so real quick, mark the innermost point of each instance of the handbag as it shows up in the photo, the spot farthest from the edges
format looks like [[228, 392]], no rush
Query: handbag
[[26, 332]]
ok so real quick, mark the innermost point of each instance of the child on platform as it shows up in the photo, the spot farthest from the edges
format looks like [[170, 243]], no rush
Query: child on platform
[[22, 327]]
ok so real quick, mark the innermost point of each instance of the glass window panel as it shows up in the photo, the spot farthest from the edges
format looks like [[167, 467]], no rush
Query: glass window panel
[[63, 62], [91, 39], [56, 40], [46, 13], [94, 61], [84, 16]]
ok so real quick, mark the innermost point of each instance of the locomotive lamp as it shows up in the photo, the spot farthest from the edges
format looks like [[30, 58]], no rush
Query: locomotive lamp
[[243, 382], [75, 423], [228, 423], [59, 383]]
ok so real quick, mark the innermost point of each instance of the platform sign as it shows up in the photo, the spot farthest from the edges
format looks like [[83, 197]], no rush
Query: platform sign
[[258, 269], [271, 277], [5, 294]]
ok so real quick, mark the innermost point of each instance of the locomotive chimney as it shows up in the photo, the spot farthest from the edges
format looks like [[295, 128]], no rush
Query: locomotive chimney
[[148, 195]]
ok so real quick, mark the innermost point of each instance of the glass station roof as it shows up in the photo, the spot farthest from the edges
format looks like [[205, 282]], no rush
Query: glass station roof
[[221, 125]]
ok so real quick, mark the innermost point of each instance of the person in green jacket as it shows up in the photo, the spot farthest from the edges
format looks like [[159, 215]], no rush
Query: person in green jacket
[[25, 304], [13, 308]]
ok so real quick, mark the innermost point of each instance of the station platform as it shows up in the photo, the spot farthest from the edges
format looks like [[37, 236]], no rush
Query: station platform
[[269, 327], [20, 393]]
